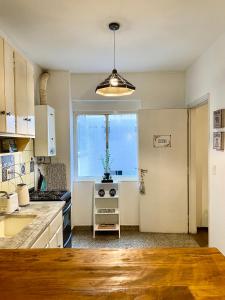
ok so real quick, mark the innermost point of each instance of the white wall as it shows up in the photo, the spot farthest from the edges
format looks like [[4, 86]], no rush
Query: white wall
[[59, 98], [207, 75], [37, 72], [154, 89], [198, 189], [82, 206], [202, 165]]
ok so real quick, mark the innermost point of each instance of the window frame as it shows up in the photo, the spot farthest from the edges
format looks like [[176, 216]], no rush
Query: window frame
[[96, 178]]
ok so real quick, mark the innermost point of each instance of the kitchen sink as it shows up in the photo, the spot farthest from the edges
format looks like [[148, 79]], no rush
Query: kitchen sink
[[11, 225]]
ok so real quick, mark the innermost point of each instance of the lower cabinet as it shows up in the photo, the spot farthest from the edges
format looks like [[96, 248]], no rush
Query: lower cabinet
[[52, 237], [57, 240]]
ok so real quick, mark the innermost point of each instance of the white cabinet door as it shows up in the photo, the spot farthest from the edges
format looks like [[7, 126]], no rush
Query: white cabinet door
[[59, 234], [2, 94], [30, 100], [53, 243], [9, 89], [21, 94], [24, 96], [7, 110], [52, 237], [57, 239], [42, 241]]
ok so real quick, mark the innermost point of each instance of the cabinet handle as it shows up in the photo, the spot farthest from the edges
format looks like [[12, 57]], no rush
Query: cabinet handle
[[28, 119], [8, 113], [25, 119], [59, 246], [2, 112]]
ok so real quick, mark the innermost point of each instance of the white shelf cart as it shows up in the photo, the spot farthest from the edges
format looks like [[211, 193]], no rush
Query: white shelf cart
[[106, 211]]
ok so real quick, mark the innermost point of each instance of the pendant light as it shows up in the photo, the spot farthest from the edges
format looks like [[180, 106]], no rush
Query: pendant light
[[115, 85]]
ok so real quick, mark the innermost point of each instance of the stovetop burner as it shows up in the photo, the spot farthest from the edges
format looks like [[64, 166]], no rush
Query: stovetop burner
[[50, 196]]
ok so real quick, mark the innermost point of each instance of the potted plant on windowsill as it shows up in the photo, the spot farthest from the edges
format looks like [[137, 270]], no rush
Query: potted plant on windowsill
[[106, 165]]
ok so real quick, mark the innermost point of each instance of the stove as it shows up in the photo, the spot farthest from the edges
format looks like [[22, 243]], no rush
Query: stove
[[50, 196], [58, 196]]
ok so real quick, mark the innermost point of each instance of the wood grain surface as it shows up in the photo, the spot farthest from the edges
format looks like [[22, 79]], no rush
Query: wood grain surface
[[197, 273]]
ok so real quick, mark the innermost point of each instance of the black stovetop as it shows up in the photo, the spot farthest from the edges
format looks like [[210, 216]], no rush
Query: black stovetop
[[50, 196]]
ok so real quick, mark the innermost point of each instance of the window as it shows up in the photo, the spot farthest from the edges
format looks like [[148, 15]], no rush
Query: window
[[118, 133]]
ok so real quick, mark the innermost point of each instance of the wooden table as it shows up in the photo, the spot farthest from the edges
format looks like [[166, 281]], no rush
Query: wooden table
[[112, 274]]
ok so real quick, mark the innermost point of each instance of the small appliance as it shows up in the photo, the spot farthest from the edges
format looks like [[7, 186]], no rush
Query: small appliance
[[8, 202], [23, 194]]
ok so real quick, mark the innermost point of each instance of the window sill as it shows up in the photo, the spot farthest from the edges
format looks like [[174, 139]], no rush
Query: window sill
[[115, 179]]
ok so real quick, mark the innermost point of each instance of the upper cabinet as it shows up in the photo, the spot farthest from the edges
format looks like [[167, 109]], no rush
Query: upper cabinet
[[30, 100], [7, 107], [24, 96], [16, 93]]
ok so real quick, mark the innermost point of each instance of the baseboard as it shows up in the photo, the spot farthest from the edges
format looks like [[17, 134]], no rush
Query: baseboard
[[129, 227], [83, 228], [90, 228]]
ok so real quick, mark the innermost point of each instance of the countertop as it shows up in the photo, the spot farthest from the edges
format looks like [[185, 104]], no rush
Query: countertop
[[45, 212], [141, 274]]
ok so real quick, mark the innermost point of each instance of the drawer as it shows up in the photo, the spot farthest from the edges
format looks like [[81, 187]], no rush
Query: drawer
[[42, 241], [56, 223], [53, 243], [59, 235], [57, 239]]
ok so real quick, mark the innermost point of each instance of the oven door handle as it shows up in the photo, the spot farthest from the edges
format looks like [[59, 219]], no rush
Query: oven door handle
[[64, 212]]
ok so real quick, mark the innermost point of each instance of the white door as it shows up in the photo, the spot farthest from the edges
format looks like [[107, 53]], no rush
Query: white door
[[164, 207]]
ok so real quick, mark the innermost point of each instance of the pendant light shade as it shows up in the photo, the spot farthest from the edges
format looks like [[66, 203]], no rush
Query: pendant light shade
[[115, 85]]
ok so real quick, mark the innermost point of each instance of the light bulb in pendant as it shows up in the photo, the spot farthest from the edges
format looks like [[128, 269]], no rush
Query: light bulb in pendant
[[114, 81]]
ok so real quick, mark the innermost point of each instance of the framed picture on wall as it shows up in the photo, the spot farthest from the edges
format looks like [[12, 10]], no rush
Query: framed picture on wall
[[162, 141], [219, 118], [218, 141]]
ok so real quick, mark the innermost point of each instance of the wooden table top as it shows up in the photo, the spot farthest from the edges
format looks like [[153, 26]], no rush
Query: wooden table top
[[139, 274]]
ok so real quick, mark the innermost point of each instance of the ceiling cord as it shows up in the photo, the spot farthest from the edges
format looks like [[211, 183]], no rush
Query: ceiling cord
[[114, 35]]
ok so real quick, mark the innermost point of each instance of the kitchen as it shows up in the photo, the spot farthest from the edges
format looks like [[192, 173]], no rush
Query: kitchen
[[60, 137]]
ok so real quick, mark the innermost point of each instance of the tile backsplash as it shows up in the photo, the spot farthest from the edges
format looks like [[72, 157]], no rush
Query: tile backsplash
[[14, 165]]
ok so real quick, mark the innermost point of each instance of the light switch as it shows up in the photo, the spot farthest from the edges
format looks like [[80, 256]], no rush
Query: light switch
[[214, 170]]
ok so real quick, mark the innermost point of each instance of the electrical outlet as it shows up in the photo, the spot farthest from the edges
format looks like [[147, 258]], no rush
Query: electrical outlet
[[10, 173], [23, 169]]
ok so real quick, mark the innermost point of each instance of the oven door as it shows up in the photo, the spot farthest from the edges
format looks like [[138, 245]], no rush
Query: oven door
[[67, 234]]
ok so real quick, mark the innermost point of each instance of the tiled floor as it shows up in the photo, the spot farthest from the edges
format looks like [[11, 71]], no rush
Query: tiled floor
[[134, 239]]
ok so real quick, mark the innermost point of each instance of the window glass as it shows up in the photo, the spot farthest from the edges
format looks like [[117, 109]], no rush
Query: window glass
[[123, 144], [91, 145]]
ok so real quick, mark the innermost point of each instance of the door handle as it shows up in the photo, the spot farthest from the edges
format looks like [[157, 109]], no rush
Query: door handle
[[142, 182], [8, 113]]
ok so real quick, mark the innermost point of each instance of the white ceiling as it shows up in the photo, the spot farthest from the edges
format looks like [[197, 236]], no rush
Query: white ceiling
[[73, 35]]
